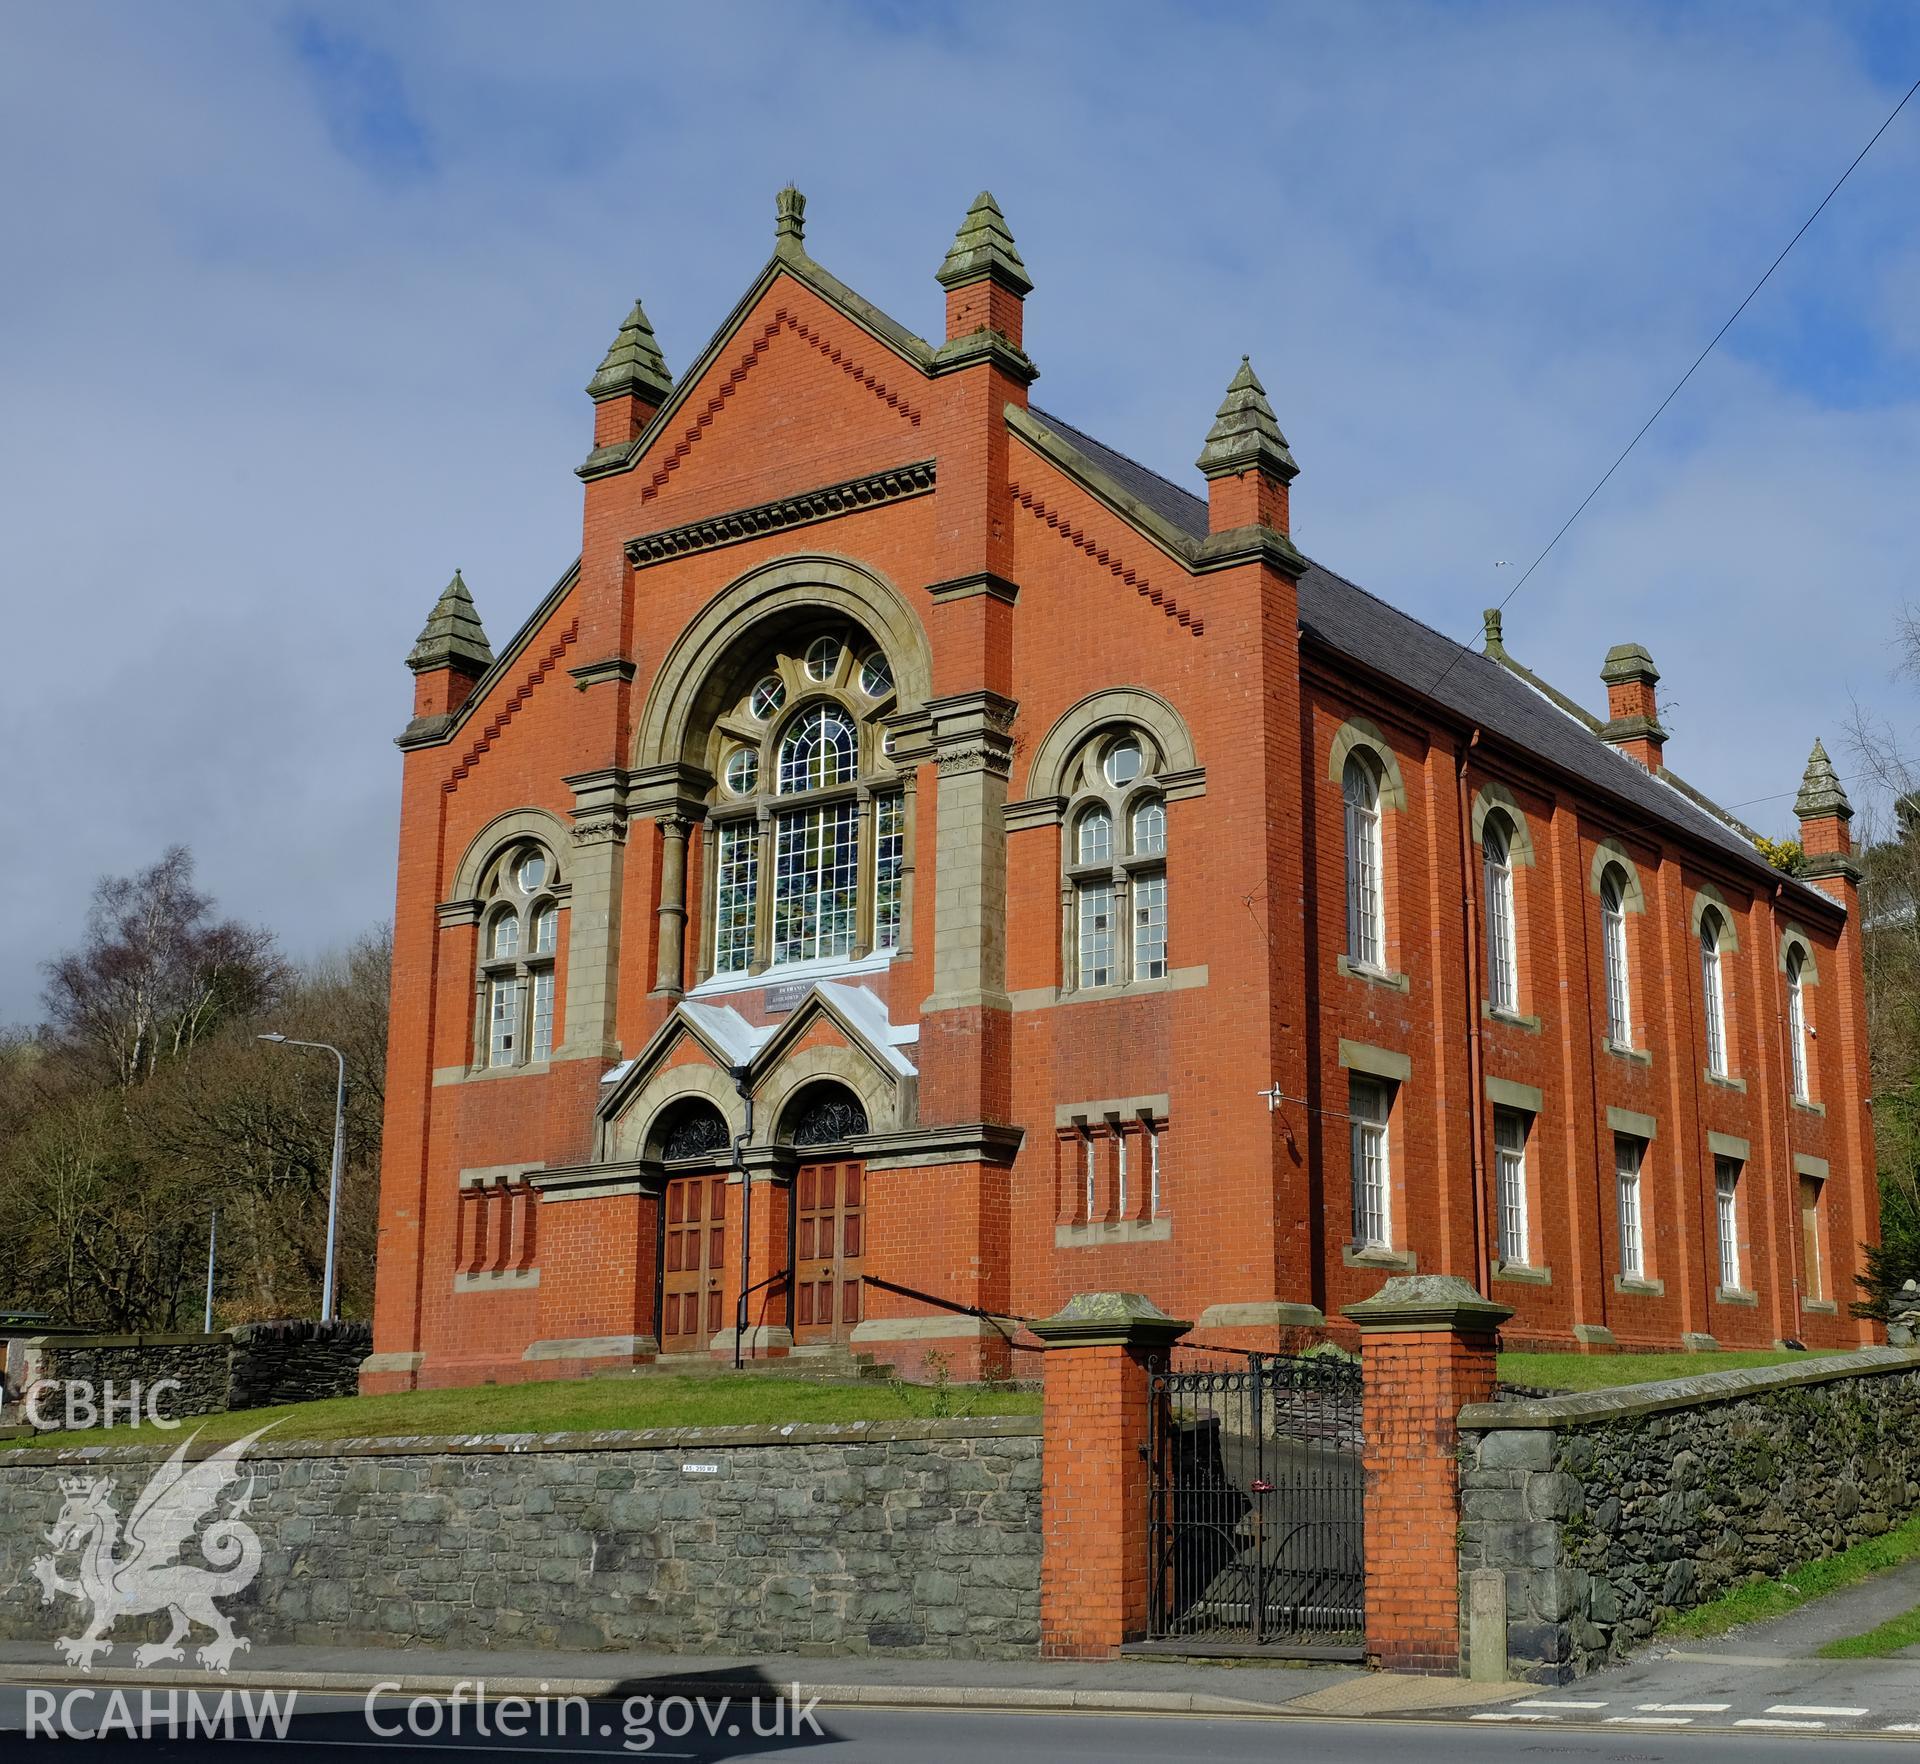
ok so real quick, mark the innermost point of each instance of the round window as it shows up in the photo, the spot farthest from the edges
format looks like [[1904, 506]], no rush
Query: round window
[[1123, 762], [876, 676], [823, 658], [767, 697], [532, 871], [743, 771]]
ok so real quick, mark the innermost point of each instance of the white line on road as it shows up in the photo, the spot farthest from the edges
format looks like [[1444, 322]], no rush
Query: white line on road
[[1796, 1726], [1685, 1708], [1649, 1721], [1902, 1727], [1813, 1709], [1506, 1715], [1561, 1703]]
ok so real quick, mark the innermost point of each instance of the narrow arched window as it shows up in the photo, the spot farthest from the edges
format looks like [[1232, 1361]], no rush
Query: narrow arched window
[[1150, 830], [1366, 916], [546, 930], [1712, 994], [1797, 1023], [818, 750], [1114, 858], [516, 959], [1503, 967], [1095, 843], [1613, 937], [506, 937]]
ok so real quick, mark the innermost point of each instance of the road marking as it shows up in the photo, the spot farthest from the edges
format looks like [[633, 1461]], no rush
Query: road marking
[[1903, 1727], [1813, 1709], [1561, 1703], [1796, 1726], [1649, 1721], [1685, 1708], [1506, 1715]]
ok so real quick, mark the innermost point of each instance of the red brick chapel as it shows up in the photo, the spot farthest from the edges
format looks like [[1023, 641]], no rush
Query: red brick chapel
[[916, 864]]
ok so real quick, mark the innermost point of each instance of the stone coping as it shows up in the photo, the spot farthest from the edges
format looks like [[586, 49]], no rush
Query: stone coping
[[506, 1445], [1594, 1407]]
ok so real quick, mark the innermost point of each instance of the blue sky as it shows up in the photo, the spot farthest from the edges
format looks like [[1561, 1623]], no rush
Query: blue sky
[[302, 300]]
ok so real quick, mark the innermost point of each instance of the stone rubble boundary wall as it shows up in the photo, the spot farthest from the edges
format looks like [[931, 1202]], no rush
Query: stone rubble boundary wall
[[1609, 1510], [912, 1537], [252, 1366]]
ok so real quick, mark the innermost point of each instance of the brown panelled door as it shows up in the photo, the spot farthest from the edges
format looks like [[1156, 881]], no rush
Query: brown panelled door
[[829, 1217], [693, 1256]]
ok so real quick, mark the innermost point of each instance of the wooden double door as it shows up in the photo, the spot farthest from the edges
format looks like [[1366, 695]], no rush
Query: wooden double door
[[829, 1238], [693, 1264]]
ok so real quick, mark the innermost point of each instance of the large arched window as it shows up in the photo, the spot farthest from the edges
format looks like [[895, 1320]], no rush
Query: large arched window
[[1712, 992], [1115, 856], [1613, 937], [1366, 900], [1797, 1022], [808, 847], [1503, 961], [519, 940]]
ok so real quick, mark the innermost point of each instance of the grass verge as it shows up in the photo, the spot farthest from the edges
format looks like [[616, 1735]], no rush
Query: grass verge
[[583, 1405], [1603, 1371], [1759, 1600], [1889, 1638]]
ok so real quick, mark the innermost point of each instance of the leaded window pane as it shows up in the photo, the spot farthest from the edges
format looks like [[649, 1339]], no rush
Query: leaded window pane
[[540, 1041], [1366, 927], [1150, 830], [1503, 978], [823, 657], [889, 859], [546, 931], [506, 937], [1372, 1195], [736, 897], [876, 676], [503, 1021], [1094, 840], [1510, 1173], [819, 749], [815, 882], [1613, 927], [1095, 901], [1149, 927], [767, 698]]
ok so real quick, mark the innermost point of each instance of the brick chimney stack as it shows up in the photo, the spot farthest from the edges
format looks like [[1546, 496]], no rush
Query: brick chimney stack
[[1633, 712], [1246, 462], [631, 385]]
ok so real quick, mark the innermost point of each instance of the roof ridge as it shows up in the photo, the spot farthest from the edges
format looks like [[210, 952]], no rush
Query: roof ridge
[[1059, 422]]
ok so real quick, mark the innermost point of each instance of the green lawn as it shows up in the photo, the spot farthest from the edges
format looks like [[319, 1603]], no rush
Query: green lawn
[[587, 1405], [1891, 1636], [1761, 1599], [1603, 1371]]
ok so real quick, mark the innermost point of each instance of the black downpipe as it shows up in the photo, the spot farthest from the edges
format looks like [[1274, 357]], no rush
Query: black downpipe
[[739, 1075]]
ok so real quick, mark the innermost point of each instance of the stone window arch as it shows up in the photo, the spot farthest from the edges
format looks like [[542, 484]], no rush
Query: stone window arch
[[517, 906], [690, 1129], [1113, 789], [807, 809], [822, 1113]]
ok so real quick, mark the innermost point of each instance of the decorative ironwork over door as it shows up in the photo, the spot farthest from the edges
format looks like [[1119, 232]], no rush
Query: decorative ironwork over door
[[1255, 1516], [829, 1231], [693, 1258]]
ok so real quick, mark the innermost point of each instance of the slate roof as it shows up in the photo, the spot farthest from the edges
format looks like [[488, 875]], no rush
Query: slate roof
[[1343, 617]]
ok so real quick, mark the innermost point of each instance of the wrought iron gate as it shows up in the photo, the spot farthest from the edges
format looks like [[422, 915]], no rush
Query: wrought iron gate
[[1255, 1510]]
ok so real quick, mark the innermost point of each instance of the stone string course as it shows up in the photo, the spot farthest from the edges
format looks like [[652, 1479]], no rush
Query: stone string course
[[1610, 1510], [918, 1538]]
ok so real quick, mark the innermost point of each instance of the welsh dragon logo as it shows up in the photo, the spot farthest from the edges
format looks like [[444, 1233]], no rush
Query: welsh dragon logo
[[148, 1576]]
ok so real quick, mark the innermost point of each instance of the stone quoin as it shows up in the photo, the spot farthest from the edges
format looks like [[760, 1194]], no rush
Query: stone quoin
[[917, 864]]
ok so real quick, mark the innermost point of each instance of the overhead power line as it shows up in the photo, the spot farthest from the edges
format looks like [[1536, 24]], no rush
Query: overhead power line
[[1680, 384]]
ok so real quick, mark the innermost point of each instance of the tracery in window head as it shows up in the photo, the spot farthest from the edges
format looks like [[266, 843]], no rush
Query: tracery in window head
[[520, 938], [808, 835], [1115, 859], [825, 1114], [689, 1128]]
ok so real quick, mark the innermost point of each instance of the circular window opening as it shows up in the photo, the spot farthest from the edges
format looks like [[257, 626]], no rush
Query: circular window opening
[[876, 676], [823, 658], [743, 771], [767, 697], [532, 871], [1123, 762]]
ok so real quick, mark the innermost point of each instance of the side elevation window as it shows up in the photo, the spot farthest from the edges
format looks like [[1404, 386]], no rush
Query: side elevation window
[[1115, 857], [1613, 936], [1797, 1023], [1629, 1155], [1503, 964], [1367, 1106], [1713, 993], [1510, 1185], [1366, 910], [1726, 1207], [519, 943]]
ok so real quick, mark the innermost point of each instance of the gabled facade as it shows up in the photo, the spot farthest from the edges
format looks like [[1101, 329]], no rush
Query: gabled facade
[[918, 864]]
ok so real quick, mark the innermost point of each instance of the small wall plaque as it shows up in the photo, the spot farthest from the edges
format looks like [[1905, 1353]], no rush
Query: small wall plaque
[[785, 997]]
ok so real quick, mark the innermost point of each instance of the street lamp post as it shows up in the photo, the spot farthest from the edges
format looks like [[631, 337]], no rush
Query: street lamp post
[[339, 1159]]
